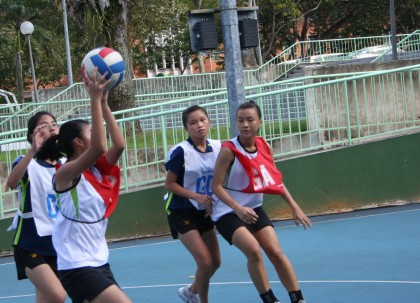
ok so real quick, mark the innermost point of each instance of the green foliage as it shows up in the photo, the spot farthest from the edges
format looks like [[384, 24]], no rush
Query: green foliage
[[7, 59], [46, 41], [278, 20], [161, 33]]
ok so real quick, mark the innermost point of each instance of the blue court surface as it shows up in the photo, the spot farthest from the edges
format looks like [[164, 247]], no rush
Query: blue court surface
[[369, 256]]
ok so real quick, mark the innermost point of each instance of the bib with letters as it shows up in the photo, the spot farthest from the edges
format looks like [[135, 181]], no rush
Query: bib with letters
[[263, 175]]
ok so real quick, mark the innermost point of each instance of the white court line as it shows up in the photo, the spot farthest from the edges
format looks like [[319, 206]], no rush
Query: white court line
[[349, 218], [278, 282], [279, 227], [141, 245], [16, 297], [250, 283], [11, 263], [288, 226]]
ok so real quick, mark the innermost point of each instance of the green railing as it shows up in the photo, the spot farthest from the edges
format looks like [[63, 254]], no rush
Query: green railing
[[298, 118], [72, 102], [407, 48]]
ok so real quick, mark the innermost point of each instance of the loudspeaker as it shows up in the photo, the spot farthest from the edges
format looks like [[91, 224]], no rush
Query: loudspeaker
[[206, 34], [248, 33]]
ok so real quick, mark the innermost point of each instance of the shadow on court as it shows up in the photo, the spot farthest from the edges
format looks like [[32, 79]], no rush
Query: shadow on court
[[359, 257]]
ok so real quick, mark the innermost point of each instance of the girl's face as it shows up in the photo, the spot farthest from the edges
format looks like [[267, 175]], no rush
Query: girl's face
[[248, 122], [46, 127], [198, 124], [86, 136]]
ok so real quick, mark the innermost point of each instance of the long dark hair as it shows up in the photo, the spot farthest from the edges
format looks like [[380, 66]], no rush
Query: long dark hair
[[33, 123], [60, 145]]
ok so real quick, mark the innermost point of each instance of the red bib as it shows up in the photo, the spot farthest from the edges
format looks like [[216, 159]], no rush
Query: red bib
[[263, 175], [109, 188]]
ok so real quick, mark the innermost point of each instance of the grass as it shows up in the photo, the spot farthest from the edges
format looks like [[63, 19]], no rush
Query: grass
[[173, 136]]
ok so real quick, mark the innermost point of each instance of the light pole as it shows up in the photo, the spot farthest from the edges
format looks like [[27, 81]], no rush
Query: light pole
[[67, 44], [27, 28]]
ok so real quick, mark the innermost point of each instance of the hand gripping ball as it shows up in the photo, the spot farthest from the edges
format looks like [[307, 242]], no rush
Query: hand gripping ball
[[107, 60]]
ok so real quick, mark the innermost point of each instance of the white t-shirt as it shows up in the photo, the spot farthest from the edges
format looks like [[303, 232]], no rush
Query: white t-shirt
[[237, 179], [82, 244]]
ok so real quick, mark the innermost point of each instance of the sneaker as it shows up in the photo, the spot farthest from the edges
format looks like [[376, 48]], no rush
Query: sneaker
[[187, 296], [302, 301]]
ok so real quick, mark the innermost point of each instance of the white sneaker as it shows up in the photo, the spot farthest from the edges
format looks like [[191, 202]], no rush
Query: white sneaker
[[187, 296], [302, 301]]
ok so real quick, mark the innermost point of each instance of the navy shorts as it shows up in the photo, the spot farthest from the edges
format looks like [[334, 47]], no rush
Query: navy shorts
[[184, 220], [24, 258], [86, 283], [229, 223]]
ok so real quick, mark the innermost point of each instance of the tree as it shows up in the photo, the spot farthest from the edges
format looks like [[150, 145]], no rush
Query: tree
[[46, 49], [407, 15], [249, 56], [161, 33], [12, 17], [111, 20]]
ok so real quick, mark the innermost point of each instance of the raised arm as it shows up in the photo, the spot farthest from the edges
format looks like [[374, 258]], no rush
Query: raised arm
[[20, 168], [117, 138], [97, 142]]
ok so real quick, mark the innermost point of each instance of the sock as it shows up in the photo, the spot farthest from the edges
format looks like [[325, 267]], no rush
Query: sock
[[295, 296], [268, 297]]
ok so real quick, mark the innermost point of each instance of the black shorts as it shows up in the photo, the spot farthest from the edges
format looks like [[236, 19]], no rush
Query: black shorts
[[86, 283], [229, 223], [184, 220], [24, 258]]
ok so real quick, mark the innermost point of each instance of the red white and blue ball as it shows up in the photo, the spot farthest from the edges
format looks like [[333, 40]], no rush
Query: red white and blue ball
[[107, 60]]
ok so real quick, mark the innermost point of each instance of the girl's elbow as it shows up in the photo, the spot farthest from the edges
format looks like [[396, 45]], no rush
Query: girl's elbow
[[121, 146], [167, 186], [215, 187], [11, 184], [99, 151], [119, 149], [102, 150]]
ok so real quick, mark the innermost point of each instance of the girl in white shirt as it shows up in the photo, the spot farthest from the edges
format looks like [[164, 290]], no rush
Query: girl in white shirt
[[244, 171], [88, 187]]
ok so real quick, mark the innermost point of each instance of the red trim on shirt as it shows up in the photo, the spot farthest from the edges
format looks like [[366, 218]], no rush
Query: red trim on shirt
[[264, 177], [109, 187]]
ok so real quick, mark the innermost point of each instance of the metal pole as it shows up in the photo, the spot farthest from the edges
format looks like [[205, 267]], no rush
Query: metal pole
[[67, 43], [33, 68], [393, 31], [233, 60], [258, 48]]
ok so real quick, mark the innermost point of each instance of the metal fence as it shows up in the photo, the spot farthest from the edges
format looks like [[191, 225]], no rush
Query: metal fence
[[298, 118], [73, 102]]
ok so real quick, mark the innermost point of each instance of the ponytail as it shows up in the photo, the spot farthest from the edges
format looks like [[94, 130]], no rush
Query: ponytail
[[50, 149]]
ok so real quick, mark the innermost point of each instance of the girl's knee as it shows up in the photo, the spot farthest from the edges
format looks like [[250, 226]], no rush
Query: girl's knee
[[276, 256], [217, 264], [205, 264], [55, 297], [254, 255]]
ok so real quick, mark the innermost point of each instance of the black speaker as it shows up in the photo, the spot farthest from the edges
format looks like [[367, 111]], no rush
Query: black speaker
[[248, 33], [206, 34]]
